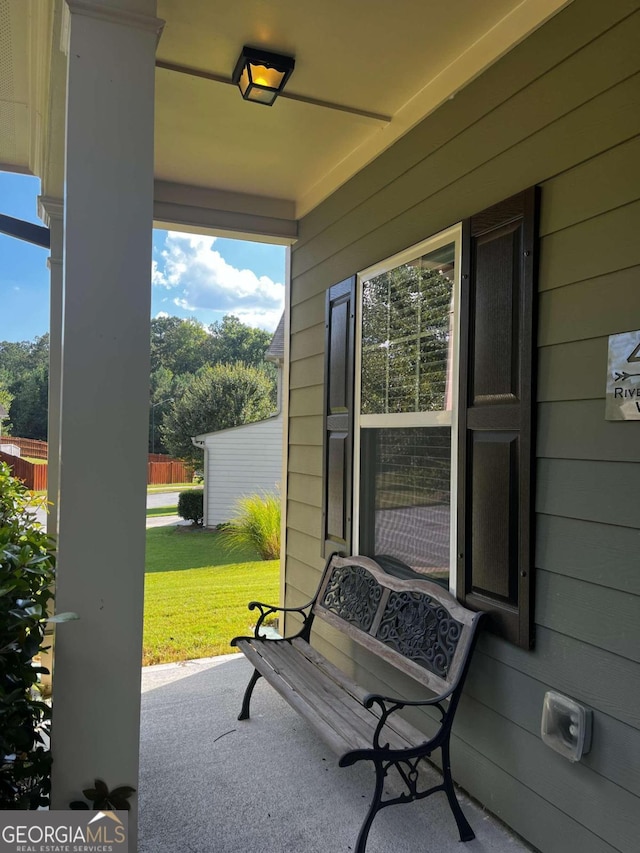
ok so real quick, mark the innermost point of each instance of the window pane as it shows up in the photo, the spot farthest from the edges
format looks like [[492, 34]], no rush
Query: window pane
[[434, 365], [406, 335], [410, 513]]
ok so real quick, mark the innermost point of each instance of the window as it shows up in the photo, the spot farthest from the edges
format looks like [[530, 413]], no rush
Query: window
[[429, 407], [405, 405]]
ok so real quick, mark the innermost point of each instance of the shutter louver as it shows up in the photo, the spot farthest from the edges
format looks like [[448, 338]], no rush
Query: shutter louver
[[338, 417], [495, 560]]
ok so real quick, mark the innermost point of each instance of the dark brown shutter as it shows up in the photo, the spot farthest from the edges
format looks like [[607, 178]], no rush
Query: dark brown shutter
[[338, 417], [495, 482]]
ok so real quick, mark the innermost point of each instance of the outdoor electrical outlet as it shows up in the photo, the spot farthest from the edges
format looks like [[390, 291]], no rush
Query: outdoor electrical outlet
[[566, 726]]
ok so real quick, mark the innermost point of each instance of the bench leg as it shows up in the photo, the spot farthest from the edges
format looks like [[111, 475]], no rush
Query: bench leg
[[466, 833], [244, 713], [376, 804]]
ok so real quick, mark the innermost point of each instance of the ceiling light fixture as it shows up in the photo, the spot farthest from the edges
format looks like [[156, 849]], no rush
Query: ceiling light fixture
[[261, 75]]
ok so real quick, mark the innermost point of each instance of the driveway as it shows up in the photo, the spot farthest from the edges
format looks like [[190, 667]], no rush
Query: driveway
[[157, 499], [163, 499]]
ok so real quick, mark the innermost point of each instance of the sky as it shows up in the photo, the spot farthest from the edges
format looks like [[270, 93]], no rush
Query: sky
[[192, 276]]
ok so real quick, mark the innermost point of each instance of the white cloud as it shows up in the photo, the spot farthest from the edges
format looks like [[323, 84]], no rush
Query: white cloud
[[260, 319], [205, 281], [156, 276], [162, 315], [182, 303]]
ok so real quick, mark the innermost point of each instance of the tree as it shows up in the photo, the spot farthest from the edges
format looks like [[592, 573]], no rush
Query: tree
[[6, 398], [180, 348], [24, 374], [231, 340], [218, 397], [19, 358], [178, 345], [29, 409]]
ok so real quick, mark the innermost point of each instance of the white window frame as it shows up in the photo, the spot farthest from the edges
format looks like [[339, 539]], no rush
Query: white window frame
[[412, 419]]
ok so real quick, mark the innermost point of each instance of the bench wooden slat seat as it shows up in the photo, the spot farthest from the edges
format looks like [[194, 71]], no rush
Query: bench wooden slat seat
[[413, 624], [325, 697]]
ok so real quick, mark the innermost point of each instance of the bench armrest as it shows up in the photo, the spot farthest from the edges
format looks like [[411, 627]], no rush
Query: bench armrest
[[389, 705], [267, 610], [371, 698]]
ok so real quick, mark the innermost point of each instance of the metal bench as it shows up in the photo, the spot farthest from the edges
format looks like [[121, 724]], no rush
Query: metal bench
[[413, 624]]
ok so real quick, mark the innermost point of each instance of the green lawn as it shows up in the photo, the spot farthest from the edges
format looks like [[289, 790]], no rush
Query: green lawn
[[196, 594], [156, 511]]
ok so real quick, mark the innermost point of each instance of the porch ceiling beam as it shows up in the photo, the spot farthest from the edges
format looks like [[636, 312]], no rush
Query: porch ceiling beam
[[224, 213], [28, 231], [291, 96]]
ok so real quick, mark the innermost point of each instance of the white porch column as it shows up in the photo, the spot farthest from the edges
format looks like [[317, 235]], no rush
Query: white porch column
[[50, 211], [105, 387]]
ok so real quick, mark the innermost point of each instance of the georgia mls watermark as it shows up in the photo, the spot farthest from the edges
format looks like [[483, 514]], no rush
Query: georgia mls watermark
[[64, 832]]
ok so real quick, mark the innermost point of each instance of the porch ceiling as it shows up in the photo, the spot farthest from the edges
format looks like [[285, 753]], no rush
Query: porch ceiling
[[400, 60]]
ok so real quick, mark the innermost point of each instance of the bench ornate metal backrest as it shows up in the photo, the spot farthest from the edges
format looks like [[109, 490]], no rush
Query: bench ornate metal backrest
[[416, 625]]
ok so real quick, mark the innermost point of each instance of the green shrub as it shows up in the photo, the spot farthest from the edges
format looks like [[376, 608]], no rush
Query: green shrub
[[191, 506], [26, 575], [257, 523]]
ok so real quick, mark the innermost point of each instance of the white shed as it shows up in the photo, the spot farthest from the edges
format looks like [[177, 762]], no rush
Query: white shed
[[246, 459], [240, 461]]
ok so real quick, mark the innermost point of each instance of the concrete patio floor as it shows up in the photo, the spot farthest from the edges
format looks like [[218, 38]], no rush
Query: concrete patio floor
[[211, 784]]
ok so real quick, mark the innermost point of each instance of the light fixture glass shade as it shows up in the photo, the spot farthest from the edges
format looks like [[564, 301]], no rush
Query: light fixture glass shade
[[269, 78], [261, 75]]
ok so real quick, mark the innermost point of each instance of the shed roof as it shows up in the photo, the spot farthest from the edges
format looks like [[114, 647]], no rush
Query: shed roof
[[276, 347]]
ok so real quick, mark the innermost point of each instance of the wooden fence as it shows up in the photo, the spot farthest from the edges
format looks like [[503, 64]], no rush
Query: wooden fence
[[160, 457], [162, 469], [33, 475], [169, 472], [28, 446]]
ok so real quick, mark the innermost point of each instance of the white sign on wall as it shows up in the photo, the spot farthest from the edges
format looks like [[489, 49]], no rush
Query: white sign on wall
[[623, 377]]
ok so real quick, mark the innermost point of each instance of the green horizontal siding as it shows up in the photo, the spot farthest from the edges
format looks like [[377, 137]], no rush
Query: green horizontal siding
[[591, 188], [535, 817], [577, 429], [303, 518], [599, 300], [306, 310], [572, 371], [602, 554], [305, 460], [603, 680], [305, 401], [305, 489], [306, 430], [309, 342], [538, 55], [521, 702], [574, 789], [561, 110], [595, 125], [606, 618], [593, 491], [597, 246], [307, 371]]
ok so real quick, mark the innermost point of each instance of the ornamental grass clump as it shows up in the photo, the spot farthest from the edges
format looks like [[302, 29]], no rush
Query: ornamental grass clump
[[256, 522], [26, 576]]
